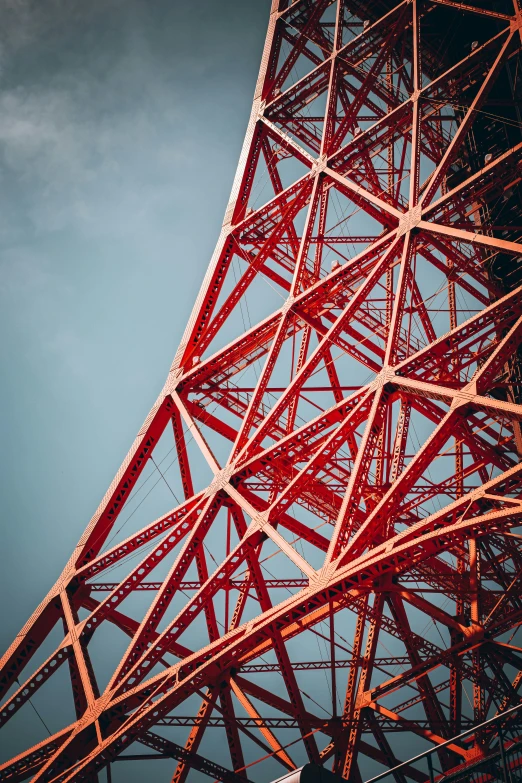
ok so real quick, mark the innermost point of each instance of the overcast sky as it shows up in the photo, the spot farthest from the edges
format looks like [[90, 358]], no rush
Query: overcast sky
[[121, 122]]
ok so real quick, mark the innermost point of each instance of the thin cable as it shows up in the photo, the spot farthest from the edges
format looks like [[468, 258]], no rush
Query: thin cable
[[165, 480], [34, 708]]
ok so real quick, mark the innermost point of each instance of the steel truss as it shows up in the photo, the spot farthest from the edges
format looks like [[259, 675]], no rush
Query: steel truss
[[349, 380]]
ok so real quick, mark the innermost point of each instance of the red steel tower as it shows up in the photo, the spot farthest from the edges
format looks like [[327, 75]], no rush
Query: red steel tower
[[339, 580]]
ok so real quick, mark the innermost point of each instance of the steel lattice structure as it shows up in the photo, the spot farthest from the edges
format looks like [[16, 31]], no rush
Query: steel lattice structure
[[344, 412]]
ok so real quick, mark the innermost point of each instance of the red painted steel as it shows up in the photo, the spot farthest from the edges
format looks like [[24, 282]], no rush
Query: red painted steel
[[344, 409]]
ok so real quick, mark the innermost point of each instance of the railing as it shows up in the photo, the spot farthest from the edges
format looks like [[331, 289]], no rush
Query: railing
[[499, 757]]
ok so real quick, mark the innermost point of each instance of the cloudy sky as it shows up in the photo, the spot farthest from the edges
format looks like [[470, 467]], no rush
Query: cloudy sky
[[120, 126]]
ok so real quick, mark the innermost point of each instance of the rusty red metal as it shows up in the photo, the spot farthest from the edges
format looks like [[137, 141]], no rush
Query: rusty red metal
[[350, 381]]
